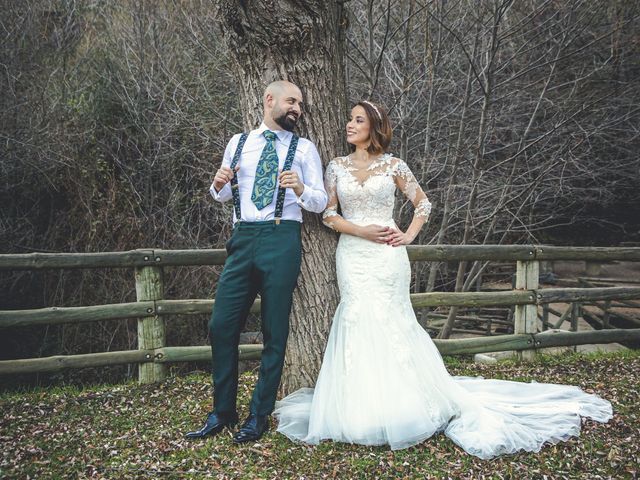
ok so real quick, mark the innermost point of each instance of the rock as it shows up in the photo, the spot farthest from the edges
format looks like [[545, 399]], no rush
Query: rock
[[482, 358]]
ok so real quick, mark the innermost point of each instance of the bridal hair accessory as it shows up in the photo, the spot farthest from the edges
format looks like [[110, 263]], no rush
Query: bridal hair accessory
[[374, 107]]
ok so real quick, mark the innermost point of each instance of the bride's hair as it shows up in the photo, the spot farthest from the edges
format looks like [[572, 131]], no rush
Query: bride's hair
[[380, 130]]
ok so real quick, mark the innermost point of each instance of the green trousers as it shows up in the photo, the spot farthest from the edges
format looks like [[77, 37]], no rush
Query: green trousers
[[262, 258]]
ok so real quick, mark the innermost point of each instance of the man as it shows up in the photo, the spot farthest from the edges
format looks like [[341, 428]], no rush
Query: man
[[270, 174]]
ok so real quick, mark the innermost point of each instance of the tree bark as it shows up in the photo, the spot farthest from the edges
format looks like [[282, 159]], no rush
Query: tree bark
[[302, 42]]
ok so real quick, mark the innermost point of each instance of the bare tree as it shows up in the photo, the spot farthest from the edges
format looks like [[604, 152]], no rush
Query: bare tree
[[520, 119]]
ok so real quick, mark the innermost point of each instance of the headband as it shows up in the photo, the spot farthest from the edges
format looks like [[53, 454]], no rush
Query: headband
[[374, 107]]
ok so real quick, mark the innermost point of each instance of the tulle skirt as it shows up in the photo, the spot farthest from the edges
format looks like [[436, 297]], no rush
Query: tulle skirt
[[383, 381]]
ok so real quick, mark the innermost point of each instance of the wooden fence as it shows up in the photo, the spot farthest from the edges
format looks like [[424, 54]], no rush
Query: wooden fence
[[153, 355]]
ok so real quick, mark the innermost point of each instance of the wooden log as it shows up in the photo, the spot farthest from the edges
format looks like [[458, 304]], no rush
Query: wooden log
[[139, 258], [595, 281], [40, 261], [562, 338], [59, 315], [193, 307], [626, 303], [545, 316], [628, 318], [469, 252], [552, 310], [190, 257], [463, 346], [59, 362], [548, 338], [497, 310], [576, 310], [151, 331], [203, 353], [548, 252], [438, 324], [607, 313], [563, 317], [471, 319], [618, 304], [185, 307], [525, 316], [217, 256], [567, 295], [469, 331], [471, 299], [418, 300], [594, 319], [496, 343]]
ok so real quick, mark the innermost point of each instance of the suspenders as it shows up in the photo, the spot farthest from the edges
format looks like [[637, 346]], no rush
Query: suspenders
[[234, 180], [287, 166], [281, 191]]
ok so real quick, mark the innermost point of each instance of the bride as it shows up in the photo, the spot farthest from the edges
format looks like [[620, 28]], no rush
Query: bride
[[382, 380]]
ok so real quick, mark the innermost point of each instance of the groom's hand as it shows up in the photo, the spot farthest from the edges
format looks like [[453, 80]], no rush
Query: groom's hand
[[290, 179], [223, 176]]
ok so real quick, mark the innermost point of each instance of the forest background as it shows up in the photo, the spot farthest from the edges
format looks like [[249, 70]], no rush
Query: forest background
[[519, 118]]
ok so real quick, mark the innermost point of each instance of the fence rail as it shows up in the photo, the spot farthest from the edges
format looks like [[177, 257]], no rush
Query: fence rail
[[119, 311], [172, 258], [152, 354], [457, 346]]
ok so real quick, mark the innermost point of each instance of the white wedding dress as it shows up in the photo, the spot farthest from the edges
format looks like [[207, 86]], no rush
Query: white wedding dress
[[382, 379]]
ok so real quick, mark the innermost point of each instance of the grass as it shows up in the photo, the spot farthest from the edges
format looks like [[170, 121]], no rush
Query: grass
[[134, 431]]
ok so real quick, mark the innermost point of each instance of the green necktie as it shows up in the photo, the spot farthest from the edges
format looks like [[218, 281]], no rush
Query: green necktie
[[266, 173]]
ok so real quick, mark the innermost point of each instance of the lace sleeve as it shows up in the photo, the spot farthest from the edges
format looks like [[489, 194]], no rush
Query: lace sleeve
[[330, 184], [407, 183]]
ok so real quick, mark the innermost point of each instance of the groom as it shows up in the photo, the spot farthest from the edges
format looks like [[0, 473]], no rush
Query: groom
[[270, 174]]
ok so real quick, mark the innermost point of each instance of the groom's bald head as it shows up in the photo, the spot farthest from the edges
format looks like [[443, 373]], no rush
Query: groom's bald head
[[281, 87], [282, 104]]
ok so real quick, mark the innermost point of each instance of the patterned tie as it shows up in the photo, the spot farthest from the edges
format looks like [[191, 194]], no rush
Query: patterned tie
[[266, 173]]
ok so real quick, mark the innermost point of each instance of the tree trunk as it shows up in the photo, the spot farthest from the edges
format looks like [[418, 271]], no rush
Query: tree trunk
[[302, 43]]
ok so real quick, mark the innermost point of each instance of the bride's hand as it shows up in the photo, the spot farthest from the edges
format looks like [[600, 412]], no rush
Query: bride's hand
[[375, 233], [398, 237]]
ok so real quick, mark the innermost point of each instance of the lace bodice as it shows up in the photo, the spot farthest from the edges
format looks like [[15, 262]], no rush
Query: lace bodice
[[368, 196]]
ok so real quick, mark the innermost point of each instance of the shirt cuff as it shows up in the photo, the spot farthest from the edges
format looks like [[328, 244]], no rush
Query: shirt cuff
[[305, 197], [216, 195]]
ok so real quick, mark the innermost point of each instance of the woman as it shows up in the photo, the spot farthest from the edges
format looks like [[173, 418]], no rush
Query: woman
[[382, 379]]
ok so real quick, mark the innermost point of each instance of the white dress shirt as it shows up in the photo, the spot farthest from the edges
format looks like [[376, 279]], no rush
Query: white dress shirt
[[306, 163]]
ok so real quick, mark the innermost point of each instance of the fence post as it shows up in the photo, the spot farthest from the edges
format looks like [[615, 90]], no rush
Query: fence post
[[607, 314], [526, 316], [545, 316], [151, 331]]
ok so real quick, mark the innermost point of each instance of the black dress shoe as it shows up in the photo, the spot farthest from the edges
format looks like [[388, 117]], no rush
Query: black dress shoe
[[252, 429], [214, 425]]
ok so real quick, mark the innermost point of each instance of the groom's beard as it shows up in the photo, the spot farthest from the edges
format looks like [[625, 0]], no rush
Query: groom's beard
[[286, 122]]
